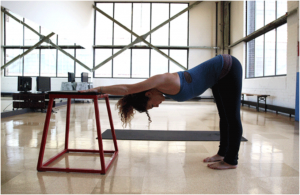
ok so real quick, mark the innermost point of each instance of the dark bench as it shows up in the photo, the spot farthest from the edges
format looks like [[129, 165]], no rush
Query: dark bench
[[260, 97]]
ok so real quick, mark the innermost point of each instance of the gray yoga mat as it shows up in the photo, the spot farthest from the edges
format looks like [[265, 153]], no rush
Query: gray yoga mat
[[158, 135]]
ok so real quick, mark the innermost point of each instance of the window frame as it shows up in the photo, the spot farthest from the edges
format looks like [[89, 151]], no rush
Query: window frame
[[144, 47], [23, 47], [39, 48], [246, 48]]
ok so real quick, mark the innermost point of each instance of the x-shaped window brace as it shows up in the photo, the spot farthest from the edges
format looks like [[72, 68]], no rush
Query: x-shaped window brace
[[143, 37], [138, 39], [43, 39]]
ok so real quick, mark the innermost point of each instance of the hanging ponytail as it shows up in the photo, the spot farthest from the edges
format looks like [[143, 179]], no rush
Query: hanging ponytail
[[131, 102]]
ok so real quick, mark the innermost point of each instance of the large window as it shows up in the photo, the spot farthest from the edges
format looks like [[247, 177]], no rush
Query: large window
[[266, 54], [140, 61], [45, 60]]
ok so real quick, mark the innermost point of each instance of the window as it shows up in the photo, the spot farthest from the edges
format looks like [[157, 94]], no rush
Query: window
[[140, 61], [65, 64], [266, 54], [45, 60]]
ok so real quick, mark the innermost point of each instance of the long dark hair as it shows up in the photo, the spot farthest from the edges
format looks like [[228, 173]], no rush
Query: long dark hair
[[131, 102]]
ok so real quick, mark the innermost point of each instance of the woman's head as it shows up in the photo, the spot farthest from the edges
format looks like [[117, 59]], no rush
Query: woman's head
[[141, 102]]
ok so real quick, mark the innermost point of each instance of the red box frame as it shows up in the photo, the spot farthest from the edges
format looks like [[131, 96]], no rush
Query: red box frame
[[44, 166]]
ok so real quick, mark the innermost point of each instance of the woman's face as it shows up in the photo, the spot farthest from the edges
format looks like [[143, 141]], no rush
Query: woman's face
[[155, 98]]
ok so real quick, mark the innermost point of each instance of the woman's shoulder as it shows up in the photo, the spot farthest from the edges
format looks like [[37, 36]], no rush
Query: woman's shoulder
[[165, 76], [171, 84], [173, 75]]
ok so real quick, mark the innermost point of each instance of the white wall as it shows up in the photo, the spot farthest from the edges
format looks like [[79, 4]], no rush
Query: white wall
[[70, 19], [282, 89]]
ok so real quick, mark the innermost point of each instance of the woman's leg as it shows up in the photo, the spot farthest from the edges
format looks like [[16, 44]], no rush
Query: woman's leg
[[223, 126], [228, 93]]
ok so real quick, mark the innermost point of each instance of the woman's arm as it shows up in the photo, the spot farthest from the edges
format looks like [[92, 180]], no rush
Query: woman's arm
[[152, 82]]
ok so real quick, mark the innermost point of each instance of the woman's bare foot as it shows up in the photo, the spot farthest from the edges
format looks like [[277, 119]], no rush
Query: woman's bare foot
[[215, 158], [221, 166]]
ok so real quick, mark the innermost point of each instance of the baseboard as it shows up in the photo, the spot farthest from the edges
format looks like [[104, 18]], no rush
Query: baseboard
[[276, 109], [7, 94], [15, 112], [28, 110]]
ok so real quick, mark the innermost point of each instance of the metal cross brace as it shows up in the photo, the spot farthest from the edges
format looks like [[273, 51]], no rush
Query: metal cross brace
[[46, 40], [27, 51], [143, 37]]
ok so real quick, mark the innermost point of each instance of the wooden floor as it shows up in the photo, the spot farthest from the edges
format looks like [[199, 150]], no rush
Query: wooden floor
[[268, 162]]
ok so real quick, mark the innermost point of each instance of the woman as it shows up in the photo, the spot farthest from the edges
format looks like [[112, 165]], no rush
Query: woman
[[222, 73]]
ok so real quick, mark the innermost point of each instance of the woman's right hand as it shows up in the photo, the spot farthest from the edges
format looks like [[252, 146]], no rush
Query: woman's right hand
[[89, 90]]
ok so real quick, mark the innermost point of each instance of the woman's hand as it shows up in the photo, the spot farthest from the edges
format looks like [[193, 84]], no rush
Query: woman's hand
[[89, 90]]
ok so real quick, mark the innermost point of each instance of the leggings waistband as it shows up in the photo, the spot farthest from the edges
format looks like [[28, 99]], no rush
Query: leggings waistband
[[226, 66]]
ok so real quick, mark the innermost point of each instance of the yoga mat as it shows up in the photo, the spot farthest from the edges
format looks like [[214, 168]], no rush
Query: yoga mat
[[159, 135]]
